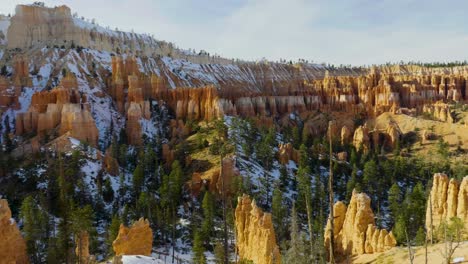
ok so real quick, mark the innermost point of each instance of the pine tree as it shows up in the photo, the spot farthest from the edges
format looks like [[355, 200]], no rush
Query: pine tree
[[297, 251], [198, 248], [394, 200], [81, 222], [35, 223], [113, 231], [279, 214], [219, 253], [370, 178], [208, 215], [138, 180], [284, 181]]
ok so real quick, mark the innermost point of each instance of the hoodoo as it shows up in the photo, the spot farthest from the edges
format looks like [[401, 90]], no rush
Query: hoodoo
[[449, 198], [355, 232], [256, 240], [12, 245]]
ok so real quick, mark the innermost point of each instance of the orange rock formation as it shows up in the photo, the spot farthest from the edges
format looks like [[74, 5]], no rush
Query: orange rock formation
[[256, 240], [136, 240], [286, 153], [355, 232], [449, 198], [12, 245]]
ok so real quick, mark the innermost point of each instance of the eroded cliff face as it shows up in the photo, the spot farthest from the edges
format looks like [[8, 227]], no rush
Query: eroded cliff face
[[12, 245], [136, 240], [135, 69], [448, 198], [255, 235], [62, 107], [355, 231], [33, 25]]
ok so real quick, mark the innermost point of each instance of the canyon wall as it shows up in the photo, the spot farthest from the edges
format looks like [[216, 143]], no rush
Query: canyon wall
[[448, 198], [355, 232], [255, 235]]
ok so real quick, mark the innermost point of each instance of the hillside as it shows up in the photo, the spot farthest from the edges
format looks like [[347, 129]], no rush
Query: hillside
[[116, 146]]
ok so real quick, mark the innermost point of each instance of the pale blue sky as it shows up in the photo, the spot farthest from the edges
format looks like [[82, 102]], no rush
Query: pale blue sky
[[336, 31]]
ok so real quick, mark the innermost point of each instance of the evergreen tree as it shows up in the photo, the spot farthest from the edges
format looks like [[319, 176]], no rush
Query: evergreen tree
[[208, 215], [297, 251], [370, 178], [198, 249], [219, 253], [394, 200], [138, 180], [82, 222], [113, 231], [35, 223], [279, 214]]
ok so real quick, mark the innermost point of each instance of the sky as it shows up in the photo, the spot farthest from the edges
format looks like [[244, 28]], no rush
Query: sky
[[356, 32]]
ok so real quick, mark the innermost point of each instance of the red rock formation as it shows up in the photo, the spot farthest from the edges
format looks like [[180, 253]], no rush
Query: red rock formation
[[134, 115], [194, 104], [355, 232], [449, 199], [9, 94], [136, 240], [256, 240], [168, 155], [12, 245]]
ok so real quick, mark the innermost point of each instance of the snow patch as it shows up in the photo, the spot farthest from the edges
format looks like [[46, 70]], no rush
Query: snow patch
[[138, 259]]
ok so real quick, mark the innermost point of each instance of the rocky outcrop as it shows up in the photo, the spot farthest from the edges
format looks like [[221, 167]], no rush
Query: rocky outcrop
[[449, 198], [355, 231], [346, 135], [361, 140], [213, 181], [136, 240], [111, 164], [38, 25], [79, 123], [286, 152], [393, 134], [12, 245], [256, 240], [439, 111]]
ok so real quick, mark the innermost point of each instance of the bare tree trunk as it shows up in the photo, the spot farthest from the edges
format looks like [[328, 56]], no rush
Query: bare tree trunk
[[173, 233], [309, 224], [226, 254], [430, 211], [331, 198], [425, 248], [410, 251]]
